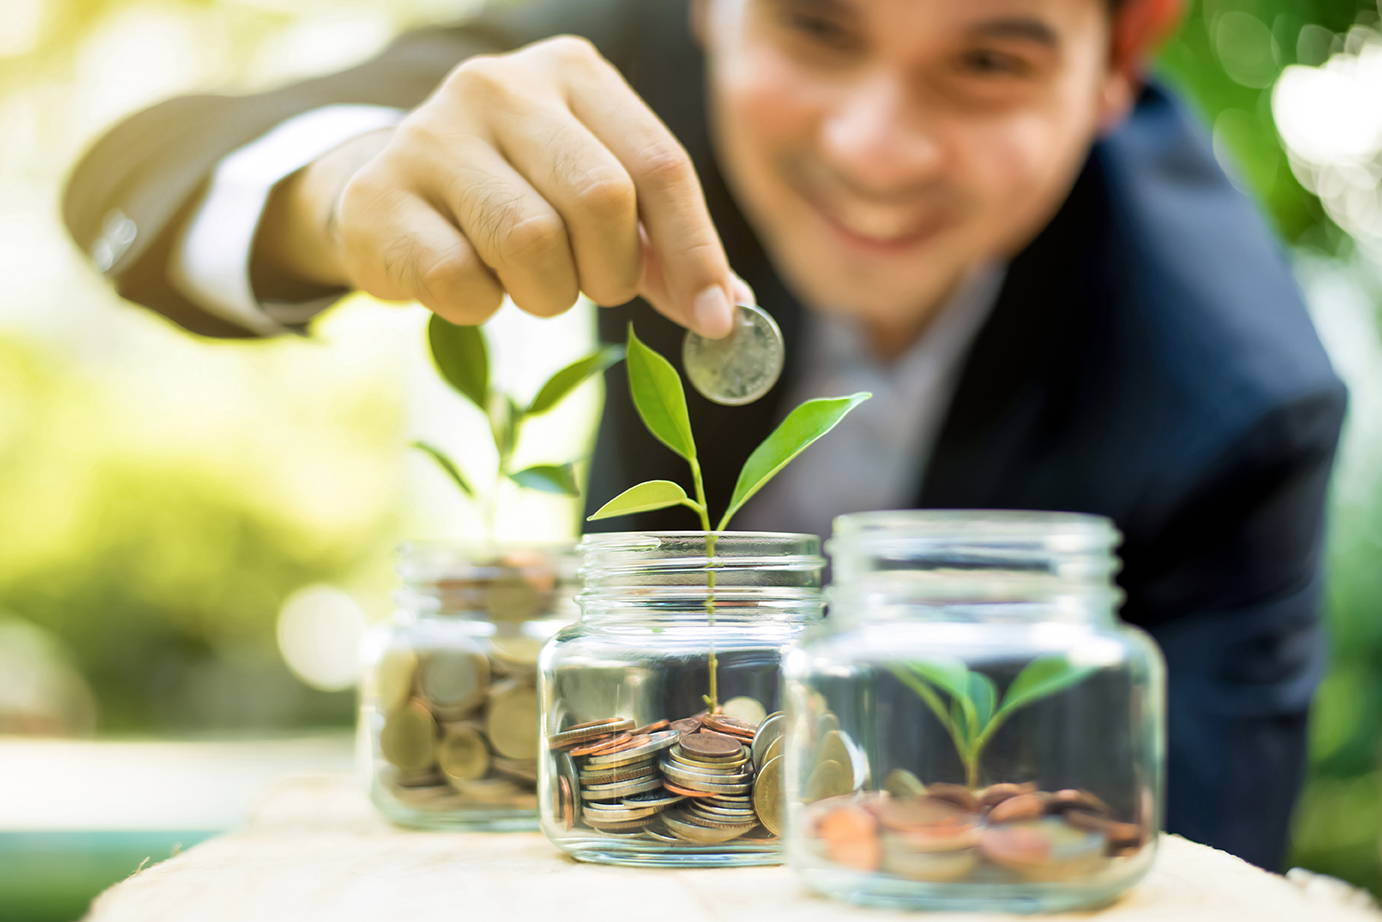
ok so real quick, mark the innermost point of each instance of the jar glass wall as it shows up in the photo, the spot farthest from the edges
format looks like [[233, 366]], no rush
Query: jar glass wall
[[972, 728], [448, 704], [659, 705]]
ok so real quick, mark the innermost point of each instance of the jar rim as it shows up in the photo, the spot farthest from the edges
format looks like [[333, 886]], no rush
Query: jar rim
[[1074, 530], [664, 548], [430, 561]]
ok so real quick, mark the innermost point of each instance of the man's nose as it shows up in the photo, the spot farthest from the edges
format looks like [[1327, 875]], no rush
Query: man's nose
[[878, 139]]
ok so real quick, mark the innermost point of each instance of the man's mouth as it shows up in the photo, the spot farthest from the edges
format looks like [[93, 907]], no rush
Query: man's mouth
[[883, 230]]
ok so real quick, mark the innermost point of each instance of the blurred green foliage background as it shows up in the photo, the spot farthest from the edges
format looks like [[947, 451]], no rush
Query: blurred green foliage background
[[163, 500]]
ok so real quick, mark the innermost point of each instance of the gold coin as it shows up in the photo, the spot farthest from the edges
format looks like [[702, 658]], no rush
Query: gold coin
[[391, 680], [741, 367], [453, 681], [513, 598], [462, 754], [902, 784], [511, 721], [769, 732], [408, 738], [744, 708], [767, 796], [518, 654], [828, 779], [833, 748], [774, 749], [684, 829], [901, 859]]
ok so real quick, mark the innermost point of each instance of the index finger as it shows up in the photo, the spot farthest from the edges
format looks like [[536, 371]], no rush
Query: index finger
[[671, 204]]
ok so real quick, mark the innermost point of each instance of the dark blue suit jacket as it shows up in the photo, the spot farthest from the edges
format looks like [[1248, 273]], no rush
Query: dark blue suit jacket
[[1149, 359]]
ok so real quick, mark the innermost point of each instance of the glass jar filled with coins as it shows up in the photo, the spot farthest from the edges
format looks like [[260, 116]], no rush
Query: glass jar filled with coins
[[661, 732], [973, 728], [448, 705]]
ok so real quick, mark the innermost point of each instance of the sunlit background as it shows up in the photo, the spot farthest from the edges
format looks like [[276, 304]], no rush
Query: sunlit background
[[193, 534]]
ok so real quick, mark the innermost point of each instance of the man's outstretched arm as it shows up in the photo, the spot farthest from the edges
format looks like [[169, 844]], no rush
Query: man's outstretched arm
[[130, 195]]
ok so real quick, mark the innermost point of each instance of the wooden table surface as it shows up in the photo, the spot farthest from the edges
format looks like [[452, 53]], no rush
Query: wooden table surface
[[314, 850]]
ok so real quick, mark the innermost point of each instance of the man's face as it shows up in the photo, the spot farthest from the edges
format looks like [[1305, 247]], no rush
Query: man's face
[[883, 148]]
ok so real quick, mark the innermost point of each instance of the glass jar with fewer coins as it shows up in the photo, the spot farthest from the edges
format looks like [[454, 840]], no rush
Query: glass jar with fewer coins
[[661, 728], [448, 705], [972, 727]]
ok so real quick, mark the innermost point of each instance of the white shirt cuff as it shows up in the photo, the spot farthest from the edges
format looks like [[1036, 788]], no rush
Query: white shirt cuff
[[210, 263]]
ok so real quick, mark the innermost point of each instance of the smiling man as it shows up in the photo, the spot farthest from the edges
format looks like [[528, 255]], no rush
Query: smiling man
[[972, 208]]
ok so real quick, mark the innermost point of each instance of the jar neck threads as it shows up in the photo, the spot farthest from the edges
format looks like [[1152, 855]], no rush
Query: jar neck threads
[[486, 582], [693, 576], [965, 565]]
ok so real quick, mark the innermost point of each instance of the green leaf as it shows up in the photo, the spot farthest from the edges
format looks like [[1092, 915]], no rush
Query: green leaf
[[644, 497], [804, 425], [659, 397], [462, 358], [504, 417], [949, 675], [1039, 679], [572, 376], [549, 478], [447, 465], [909, 677], [984, 697]]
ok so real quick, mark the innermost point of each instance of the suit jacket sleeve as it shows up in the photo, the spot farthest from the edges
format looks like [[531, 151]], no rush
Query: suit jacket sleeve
[[127, 197]]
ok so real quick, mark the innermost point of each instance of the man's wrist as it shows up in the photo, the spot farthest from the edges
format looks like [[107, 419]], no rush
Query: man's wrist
[[296, 242]]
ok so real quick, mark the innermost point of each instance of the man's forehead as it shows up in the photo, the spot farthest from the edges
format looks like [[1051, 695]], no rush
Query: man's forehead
[[1036, 20]]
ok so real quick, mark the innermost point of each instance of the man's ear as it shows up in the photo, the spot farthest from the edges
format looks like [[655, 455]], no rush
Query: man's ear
[[1116, 97], [1138, 28], [698, 12]]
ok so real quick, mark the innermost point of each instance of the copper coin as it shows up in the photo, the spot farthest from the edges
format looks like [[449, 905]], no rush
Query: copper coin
[[687, 792], [1126, 835], [1020, 808], [686, 725], [603, 744], [995, 794], [850, 836], [583, 733], [567, 804], [1070, 799], [650, 728], [707, 743], [957, 794], [915, 812], [732, 725], [1016, 845]]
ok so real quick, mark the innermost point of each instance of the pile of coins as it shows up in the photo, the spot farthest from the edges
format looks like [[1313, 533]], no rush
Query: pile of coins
[[702, 780], [459, 712], [945, 832]]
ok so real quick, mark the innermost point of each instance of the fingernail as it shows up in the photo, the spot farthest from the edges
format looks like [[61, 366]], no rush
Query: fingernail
[[711, 313], [742, 292]]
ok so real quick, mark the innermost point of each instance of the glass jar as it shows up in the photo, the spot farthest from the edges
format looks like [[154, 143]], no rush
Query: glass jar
[[660, 705], [972, 727], [448, 704]]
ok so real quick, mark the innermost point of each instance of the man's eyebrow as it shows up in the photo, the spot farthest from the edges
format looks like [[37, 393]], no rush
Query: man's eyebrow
[[817, 6], [1018, 27]]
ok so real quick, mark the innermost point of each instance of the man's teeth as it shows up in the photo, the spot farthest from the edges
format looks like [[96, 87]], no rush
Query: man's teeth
[[880, 227]]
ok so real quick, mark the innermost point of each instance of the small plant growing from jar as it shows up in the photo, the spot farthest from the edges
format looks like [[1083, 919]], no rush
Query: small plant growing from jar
[[449, 702], [976, 729], [660, 707]]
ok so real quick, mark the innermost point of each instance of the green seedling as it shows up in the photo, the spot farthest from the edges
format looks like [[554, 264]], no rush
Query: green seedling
[[462, 359], [975, 713], [661, 402], [660, 399]]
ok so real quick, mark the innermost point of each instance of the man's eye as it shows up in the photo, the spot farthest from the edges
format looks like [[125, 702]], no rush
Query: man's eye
[[819, 29], [985, 62]]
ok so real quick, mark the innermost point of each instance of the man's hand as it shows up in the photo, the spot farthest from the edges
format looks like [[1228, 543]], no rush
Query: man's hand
[[537, 174]]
